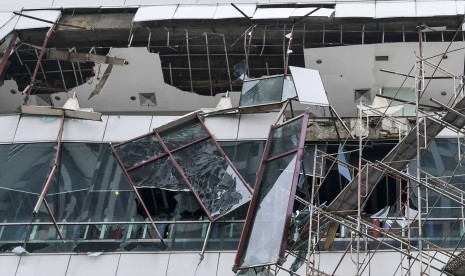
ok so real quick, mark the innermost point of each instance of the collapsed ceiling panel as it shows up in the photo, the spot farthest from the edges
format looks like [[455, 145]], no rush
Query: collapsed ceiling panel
[[184, 156]]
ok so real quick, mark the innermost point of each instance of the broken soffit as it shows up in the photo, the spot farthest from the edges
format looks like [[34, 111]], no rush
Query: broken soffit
[[183, 156]]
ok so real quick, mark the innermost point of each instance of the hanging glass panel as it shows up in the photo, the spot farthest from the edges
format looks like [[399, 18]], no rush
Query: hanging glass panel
[[263, 244], [183, 134], [219, 187], [262, 91], [286, 137], [139, 150]]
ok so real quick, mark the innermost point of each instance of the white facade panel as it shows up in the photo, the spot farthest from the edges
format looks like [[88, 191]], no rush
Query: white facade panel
[[255, 126], [18, 5], [436, 8], [142, 264], [158, 121], [228, 11], [395, 9], [223, 127], [122, 128], [8, 125], [460, 6], [225, 264], [323, 12], [157, 2], [8, 27], [37, 129], [83, 265], [29, 23], [9, 264], [271, 13], [188, 264], [309, 86], [302, 11], [87, 3], [195, 12], [84, 130], [155, 13], [50, 265], [355, 10], [5, 17]]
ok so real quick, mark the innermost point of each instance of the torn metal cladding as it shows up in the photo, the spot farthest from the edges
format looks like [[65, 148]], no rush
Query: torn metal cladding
[[184, 156]]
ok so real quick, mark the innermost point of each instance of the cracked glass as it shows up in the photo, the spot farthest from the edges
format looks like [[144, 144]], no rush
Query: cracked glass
[[160, 173], [265, 236], [213, 178], [286, 137], [262, 91], [183, 134], [139, 150]]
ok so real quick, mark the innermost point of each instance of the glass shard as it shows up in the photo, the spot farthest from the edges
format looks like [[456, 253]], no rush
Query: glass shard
[[161, 174], [268, 221], [183, 134], [140, 150], [213, 178], [262, 91]]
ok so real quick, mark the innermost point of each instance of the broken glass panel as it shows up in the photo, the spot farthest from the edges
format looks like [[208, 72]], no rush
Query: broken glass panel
[[110, 206], [262, 91], [286, 137], [213, 178], [161, 174], [263, 244], [27, 166], [289, 91], [140, 150], [183, 134]]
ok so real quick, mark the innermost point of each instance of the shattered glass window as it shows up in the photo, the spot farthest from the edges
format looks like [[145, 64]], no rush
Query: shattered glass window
[[289, 91], [286, 137], [183, 134], [262, 91], [161, 174], [213, 178], [263, 244], [140, 150]]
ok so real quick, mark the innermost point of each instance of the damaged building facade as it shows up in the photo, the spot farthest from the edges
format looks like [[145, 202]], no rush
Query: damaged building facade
[[140, 137]]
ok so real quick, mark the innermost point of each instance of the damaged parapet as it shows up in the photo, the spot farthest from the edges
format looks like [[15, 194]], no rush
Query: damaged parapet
[[184, 156]]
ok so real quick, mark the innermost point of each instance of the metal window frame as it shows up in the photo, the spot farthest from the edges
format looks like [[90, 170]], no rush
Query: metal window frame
[[265, 159], [169, 153]]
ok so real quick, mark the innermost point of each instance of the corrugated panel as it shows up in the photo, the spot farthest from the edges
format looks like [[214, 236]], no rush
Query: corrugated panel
[[228, 11], [436, 8], [188, 264], [122, 128], [195, 12], [309, 86], [83, 265], [155, 13], [84, 130], [255, 126], [29, 23], [395, 9], [8, 126], [271, 13], [355, 10], [37, 129], [223, 127], [50, 265], [143, 264]]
